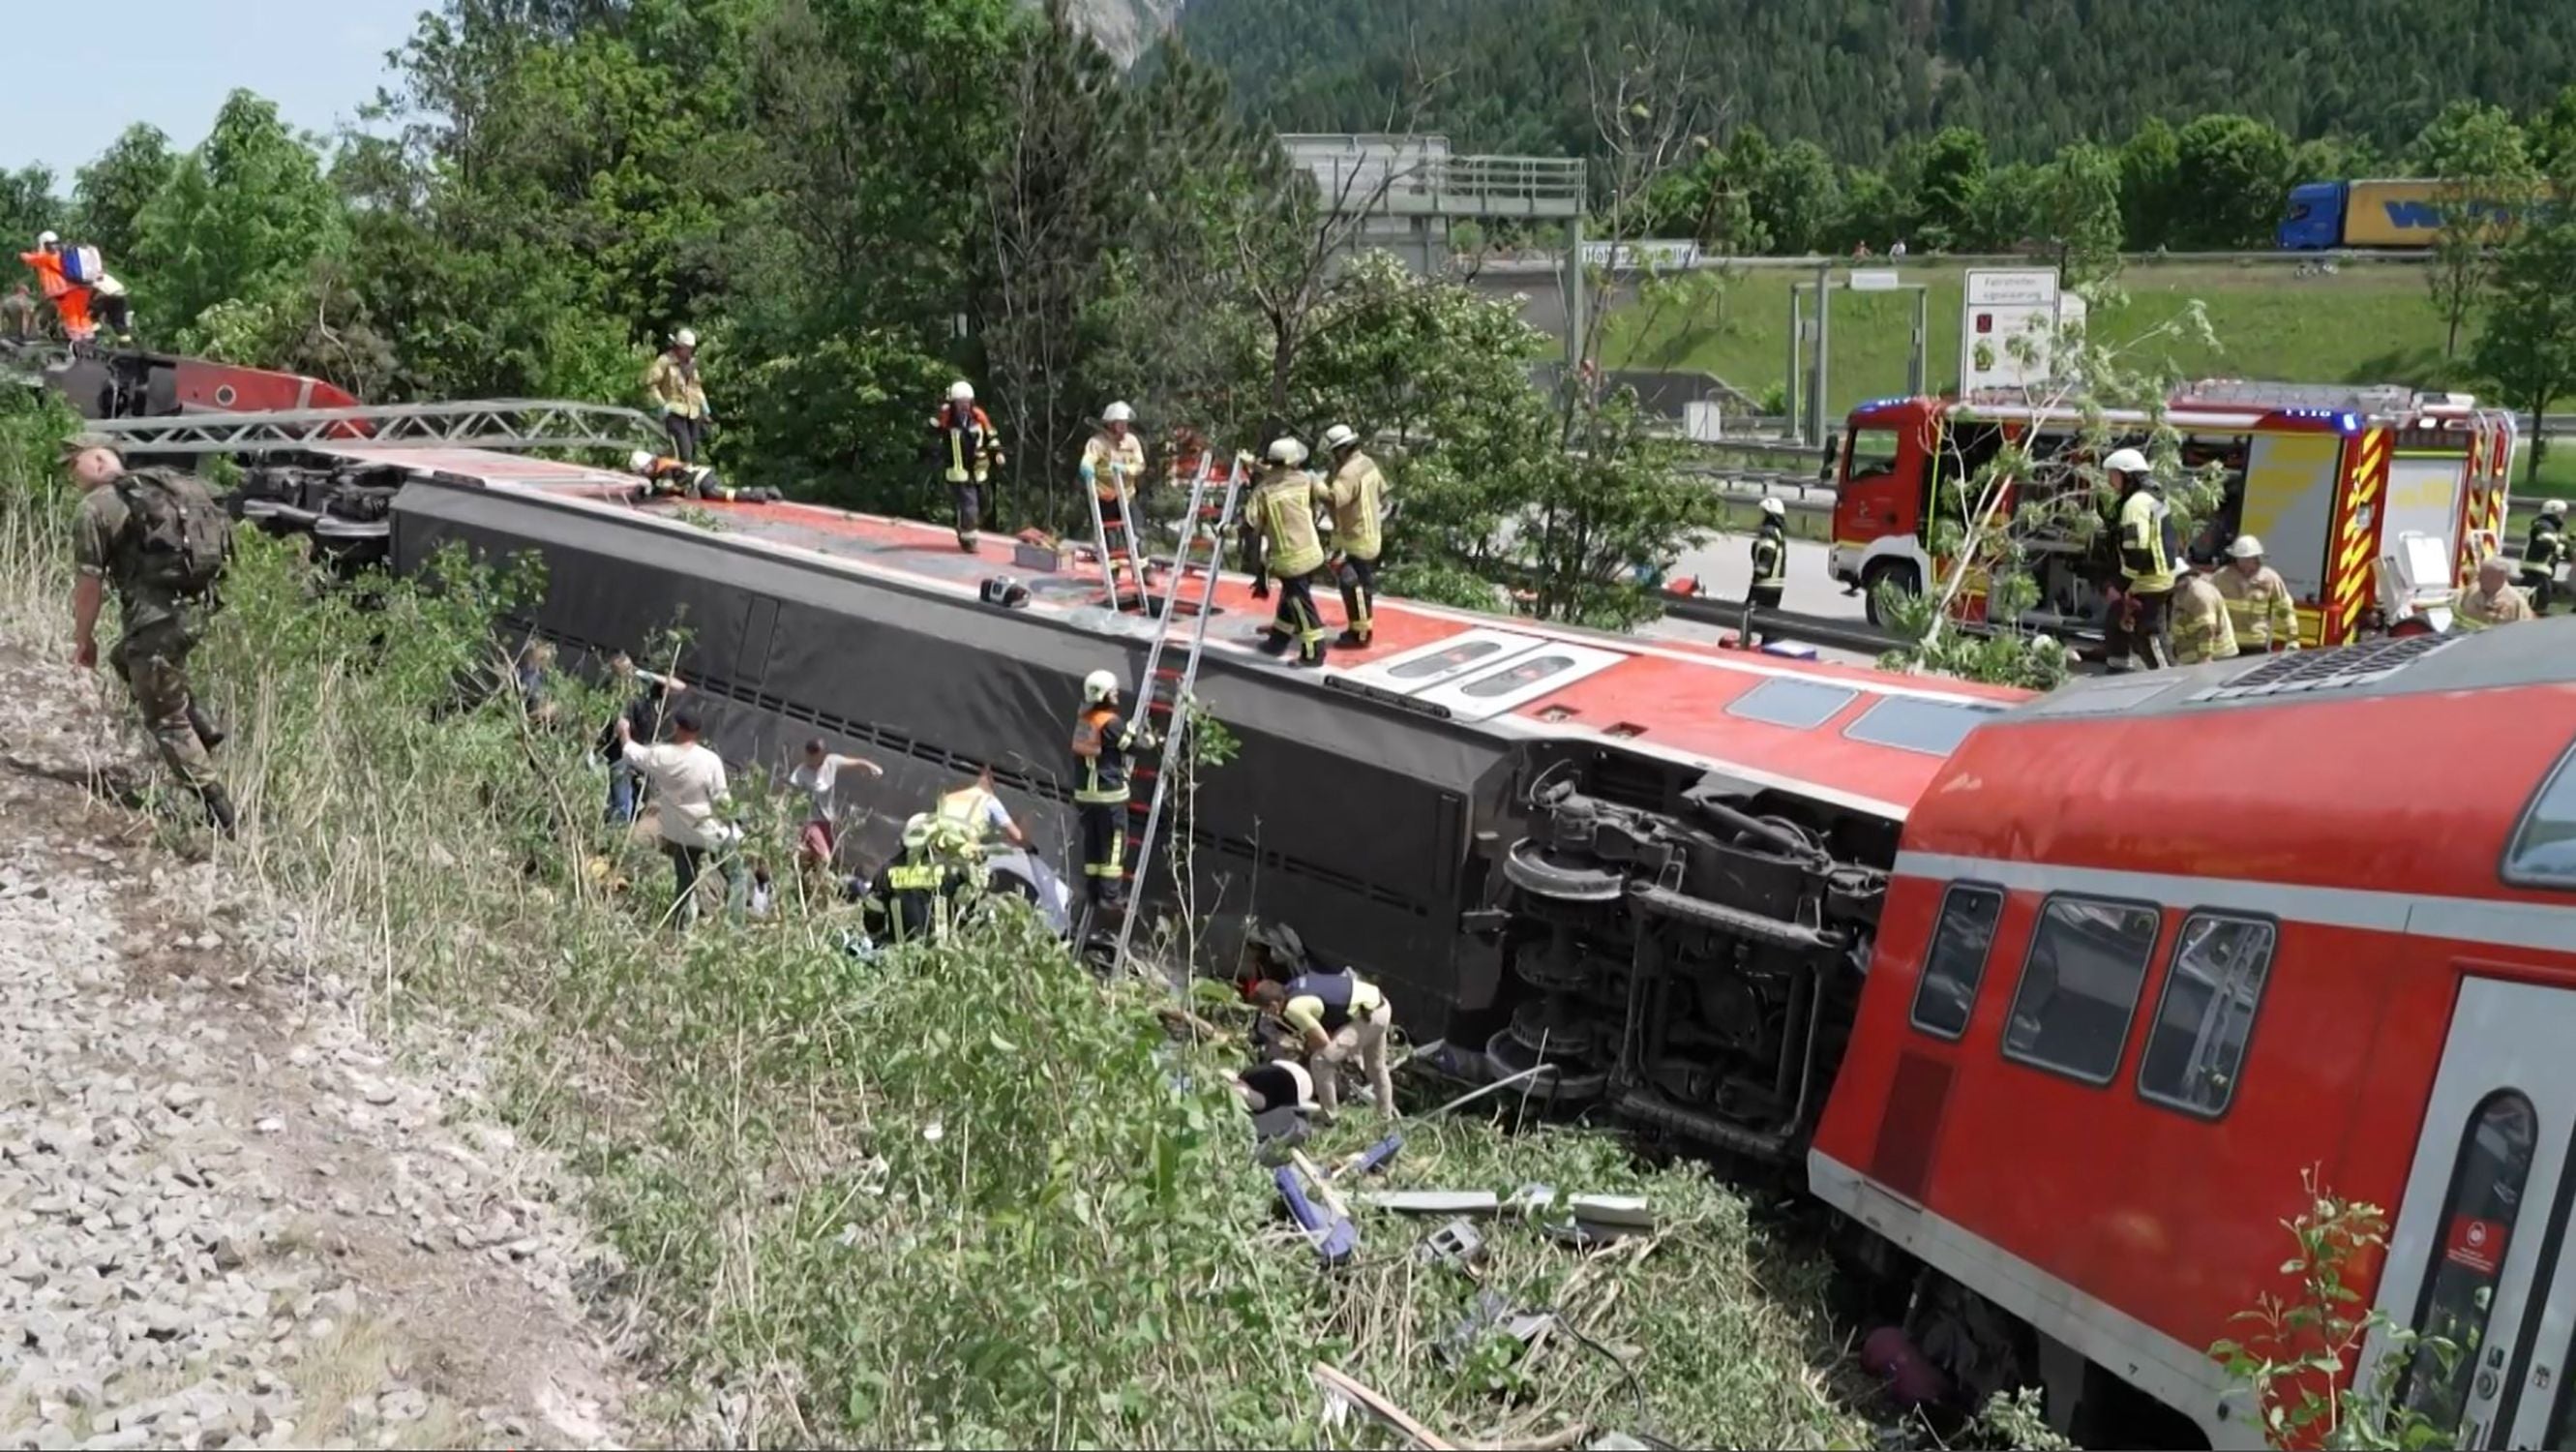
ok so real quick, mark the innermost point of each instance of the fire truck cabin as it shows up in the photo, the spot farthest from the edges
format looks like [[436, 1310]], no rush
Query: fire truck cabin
[[2150, 955], [2374, 504]]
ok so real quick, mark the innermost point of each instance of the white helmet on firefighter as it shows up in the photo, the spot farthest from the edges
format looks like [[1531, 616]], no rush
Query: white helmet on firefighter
[[47, 238], [685, 338], [2555, 509], [1099, 686], [2126, 461], [1340, 435], [1773, 508], [2246, 547], [961, 391], [917, 831], [1118, 413], [1287, 451], [640, 460]]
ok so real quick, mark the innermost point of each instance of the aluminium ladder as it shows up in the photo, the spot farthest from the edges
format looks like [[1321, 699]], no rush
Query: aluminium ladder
[[507, 424], [1117, 544], [1216, 491]]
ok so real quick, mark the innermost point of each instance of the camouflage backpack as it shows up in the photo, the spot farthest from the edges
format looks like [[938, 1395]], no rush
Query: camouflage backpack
[[178, 535]]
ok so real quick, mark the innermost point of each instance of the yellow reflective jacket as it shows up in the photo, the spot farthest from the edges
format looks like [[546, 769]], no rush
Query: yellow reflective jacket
[[2260, 607], [2202, 630], [2144, 561], [1283, 510], [1357, 495]]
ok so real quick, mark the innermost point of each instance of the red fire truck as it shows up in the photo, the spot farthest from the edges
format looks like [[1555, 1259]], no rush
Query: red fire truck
[[2373, 503], [2149, 954]]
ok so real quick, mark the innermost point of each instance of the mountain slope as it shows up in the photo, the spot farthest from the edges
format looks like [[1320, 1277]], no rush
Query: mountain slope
[[1855, 75], [1125, 27]]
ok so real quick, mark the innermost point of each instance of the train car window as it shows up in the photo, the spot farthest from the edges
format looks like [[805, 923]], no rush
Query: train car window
[[1503, 682], [1799, 705], [2543, 853], [1447, 660], [2079, 987], [1910, 723], [2459, 1292], [2206, 1014], [1956, 962]]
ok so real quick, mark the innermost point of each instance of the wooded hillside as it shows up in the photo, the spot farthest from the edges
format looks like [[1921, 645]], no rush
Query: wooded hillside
[[1859, 75]]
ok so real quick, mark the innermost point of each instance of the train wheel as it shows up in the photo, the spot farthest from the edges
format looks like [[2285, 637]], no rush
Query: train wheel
[[1531, 869], [1506, 1055]]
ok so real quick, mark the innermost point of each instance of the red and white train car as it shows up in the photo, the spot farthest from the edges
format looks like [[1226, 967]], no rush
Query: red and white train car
[[2154, 947]]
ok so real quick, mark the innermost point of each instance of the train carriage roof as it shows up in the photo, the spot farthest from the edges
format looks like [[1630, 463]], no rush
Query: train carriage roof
[[2396, 765], [1864, 739]]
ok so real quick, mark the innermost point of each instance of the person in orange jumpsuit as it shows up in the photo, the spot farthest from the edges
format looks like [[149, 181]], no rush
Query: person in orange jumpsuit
[[71, 299]]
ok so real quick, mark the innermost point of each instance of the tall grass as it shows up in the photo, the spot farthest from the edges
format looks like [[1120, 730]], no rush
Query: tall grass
[[964, 1196]]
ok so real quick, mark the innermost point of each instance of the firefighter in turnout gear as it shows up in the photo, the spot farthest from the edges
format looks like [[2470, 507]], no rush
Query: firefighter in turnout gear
[[973, 816], [1330, 1018], [2491, 601], [2203, 631], [161, 540], [665, 475], [1113, 469], [1357, 494], [2141, 623], [672, 384], [1102, 743], [2543, 551], [1770, 565], [1282, 518], [2258, 600], [914, 896], [969, 449]]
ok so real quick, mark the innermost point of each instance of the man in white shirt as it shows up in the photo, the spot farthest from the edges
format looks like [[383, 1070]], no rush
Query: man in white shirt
[[688, 783], [816, 776]]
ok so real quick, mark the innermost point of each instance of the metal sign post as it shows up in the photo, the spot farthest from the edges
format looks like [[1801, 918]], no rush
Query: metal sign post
[[1811, 371]]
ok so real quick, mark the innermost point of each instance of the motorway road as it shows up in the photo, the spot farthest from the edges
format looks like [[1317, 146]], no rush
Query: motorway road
[[1724, 567]]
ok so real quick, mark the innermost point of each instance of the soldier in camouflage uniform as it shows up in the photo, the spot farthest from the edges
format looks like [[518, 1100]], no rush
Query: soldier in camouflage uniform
[[159, 628]]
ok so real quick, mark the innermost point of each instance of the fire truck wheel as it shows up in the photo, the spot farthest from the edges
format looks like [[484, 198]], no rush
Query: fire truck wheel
[[1887, 572]]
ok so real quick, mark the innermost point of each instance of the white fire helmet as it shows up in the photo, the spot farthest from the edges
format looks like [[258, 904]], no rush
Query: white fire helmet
[[46, 239], [2555, 509], [1118, 413], [1099, 686], [1287, 451], [640, 460], [2246, 547], [916, 831], [961, 391], [685, 338], [2126, 461], [1773, 507], [1339, 435]]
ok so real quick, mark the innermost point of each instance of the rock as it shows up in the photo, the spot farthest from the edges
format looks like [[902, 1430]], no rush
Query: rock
[[119, 1441], [180, 1098], [270, 1125], [164, 1322], [403, 1404]]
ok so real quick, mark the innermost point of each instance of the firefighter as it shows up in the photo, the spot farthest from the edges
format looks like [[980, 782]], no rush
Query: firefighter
[[2491, 601], [969, 449], [1357, 494], [665, 475], [2258, 600], [114, 308], [972, 816], [1770, 565], [915, 895], [69, 296], [672, 382], [1102, 740], [2141, 623], [1113, 469], [1330, 1017], [1282, 520], [2543, 551], [2203, 630]]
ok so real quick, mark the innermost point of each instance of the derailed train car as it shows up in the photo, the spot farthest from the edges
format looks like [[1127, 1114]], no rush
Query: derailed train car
[[1656, 866]]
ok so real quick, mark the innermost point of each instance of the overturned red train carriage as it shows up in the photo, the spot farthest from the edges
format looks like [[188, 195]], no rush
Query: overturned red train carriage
[[2052, 1000]]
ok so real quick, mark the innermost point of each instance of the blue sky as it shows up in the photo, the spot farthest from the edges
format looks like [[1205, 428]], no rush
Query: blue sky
[[172, 62]]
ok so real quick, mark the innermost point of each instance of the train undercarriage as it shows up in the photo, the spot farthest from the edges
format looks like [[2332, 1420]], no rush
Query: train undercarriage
[[1693, 970]]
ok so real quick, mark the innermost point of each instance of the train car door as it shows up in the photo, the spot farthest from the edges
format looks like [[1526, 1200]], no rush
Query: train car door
[[2478, 1235]]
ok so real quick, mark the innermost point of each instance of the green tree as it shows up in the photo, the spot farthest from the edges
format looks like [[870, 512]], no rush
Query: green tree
[[1798, 198], [1953, 182], [2486, 176], [109, 194], [2009, 209], [27, 206], [2150, 182], [2079, 212], [2528, 346], [245, 211], [2233, 173]]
